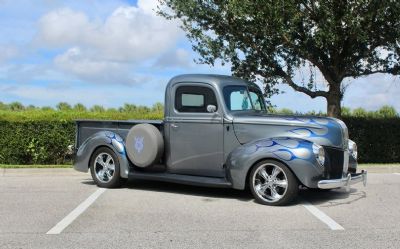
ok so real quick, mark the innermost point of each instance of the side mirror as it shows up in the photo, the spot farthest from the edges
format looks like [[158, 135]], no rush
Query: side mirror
[[211, 108]]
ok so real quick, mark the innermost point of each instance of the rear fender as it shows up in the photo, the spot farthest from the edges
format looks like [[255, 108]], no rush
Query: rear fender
[[102, 139], [296, 153]]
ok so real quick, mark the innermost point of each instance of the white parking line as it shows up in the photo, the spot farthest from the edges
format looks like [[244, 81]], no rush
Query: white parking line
[[60, 226], [397, 174], [322, 216]]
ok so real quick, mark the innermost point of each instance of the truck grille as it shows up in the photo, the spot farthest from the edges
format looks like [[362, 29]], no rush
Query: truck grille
[[334, 162]]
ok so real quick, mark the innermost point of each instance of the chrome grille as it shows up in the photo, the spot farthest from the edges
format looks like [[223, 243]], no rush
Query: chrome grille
[[334, 163], [345, 162], [345, 134]]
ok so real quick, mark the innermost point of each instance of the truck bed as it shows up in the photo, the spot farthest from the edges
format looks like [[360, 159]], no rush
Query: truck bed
[[86, 127]]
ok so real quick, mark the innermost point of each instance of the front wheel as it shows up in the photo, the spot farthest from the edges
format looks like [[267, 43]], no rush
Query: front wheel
[[105, 170], [272, 183]]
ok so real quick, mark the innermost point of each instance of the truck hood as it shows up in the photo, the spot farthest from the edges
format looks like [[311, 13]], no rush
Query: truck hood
[[321, 130]]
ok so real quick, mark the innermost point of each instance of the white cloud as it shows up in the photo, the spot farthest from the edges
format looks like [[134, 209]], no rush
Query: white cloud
[[83, 66], [128, 34], [62, 27], [109, 50]]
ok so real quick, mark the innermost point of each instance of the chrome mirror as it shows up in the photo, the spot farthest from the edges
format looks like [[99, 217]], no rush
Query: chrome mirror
[[211, 108]]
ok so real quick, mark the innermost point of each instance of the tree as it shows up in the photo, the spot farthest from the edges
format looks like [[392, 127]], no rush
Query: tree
[[158, 107], [31, 107], [387, 112], [80, 107], [360, 113], [271, 40], [97, 108], [128, 108], [3, 106], [16, 106], [47, 108], [63, 106]]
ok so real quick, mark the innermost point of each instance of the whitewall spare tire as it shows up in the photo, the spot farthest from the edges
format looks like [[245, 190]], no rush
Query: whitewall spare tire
[[144, 145]]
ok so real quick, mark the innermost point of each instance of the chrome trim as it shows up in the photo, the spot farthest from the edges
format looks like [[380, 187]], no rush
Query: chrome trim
[[350, 179], [104, 167], [345, 162], [345, 132], [270, 182], [211, 119]]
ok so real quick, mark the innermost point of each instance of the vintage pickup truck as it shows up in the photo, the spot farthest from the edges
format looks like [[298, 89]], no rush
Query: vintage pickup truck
[[216, 132]]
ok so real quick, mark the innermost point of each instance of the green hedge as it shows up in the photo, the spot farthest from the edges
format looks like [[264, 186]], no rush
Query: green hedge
[[35, 142], [378, 140], [42, 136], [45, 142]]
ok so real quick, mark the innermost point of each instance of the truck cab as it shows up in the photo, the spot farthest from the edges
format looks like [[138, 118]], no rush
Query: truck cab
[[217, 132]]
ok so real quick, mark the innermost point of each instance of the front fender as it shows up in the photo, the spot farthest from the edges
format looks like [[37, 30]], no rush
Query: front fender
[[102, 138], [296, 153]]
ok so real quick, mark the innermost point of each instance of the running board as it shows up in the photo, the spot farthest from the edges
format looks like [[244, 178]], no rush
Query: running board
[[183, 179]]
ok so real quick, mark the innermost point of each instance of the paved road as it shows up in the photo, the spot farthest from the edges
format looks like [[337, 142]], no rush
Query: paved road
[[162, 215]]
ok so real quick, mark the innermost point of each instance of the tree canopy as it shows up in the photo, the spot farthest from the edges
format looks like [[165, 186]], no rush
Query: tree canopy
[[271, 40]]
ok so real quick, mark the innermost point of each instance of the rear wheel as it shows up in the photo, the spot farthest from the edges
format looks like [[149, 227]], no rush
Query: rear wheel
[[272, 183], [105, 169]]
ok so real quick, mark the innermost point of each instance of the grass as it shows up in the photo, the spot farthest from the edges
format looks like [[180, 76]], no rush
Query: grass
[[35, 166]]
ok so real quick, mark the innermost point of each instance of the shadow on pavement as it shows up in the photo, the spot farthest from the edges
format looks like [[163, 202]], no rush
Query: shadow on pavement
[[325, 198], [189, 190], [334, 197]]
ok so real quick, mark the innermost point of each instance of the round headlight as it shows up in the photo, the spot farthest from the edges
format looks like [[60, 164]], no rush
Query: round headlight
[[319, 153], [353, 148]]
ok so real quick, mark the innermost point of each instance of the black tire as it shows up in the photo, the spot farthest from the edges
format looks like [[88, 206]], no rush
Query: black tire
[[266, 184], [116, 180]]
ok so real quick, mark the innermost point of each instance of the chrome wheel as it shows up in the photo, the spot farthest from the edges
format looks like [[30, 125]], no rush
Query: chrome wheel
[[270, 182], [104, 167]]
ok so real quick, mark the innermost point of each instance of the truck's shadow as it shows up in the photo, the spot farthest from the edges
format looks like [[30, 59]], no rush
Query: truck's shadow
[[167, 187], [334, 197]]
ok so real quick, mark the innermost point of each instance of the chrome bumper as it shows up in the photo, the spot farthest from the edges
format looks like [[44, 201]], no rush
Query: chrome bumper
[[344, 182]]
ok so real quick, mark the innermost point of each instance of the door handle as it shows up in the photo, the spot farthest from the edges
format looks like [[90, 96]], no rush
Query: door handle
[[174, 126]]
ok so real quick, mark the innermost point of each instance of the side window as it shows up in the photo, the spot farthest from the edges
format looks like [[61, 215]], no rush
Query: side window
[[194, 98], [256, 101]]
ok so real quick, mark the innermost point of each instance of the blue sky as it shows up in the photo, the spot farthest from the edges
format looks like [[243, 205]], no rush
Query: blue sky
[[114, 52]]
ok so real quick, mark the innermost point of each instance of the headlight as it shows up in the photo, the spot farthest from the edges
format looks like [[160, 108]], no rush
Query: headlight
[[353, 148], [319, 153]]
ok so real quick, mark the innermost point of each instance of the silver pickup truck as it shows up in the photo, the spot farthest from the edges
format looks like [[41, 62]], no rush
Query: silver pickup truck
[[216, 132]]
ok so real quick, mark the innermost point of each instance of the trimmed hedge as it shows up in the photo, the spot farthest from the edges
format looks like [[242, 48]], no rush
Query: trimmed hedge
[[35, 142], [378, 139], [45, 142], [42, 136]]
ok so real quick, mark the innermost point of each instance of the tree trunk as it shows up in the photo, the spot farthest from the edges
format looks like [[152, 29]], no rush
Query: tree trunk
[[333, 106]]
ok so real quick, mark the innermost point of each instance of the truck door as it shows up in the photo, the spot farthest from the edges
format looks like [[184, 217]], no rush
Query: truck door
[[195, 134]]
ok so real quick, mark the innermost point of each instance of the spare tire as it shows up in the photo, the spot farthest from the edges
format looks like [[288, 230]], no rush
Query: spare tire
[[144, 145]]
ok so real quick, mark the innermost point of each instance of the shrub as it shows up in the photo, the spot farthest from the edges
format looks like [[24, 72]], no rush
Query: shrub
[[378, 139], [63, 106], [35, 142], [42, 137]]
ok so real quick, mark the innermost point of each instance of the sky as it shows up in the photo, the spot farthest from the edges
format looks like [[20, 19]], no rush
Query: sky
[[114, 52]]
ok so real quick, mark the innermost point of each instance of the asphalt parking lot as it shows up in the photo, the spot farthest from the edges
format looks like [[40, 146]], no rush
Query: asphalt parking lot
[[61, 208]]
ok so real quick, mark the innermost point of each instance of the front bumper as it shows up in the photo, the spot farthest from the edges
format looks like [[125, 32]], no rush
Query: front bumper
[[345, 181]]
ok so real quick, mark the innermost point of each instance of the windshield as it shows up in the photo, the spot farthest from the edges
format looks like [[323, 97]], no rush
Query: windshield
[[241, 98]]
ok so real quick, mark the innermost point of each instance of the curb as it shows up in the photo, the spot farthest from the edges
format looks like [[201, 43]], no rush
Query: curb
[[380, 169], [40, 172]]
